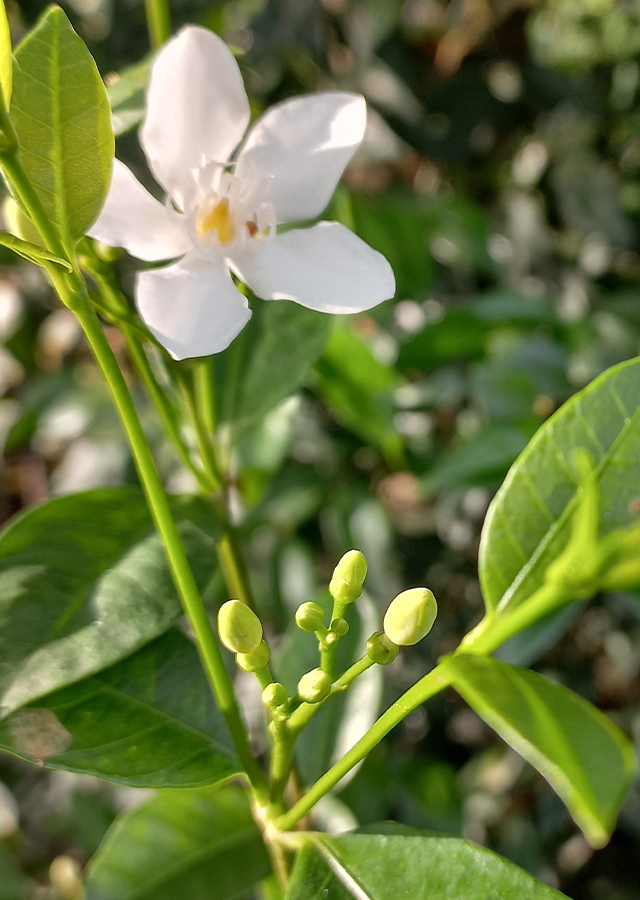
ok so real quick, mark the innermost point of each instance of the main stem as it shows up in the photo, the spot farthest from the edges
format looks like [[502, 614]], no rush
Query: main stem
[[158, 21]]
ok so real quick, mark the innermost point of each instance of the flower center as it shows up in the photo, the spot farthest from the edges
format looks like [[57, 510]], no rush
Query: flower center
[[217, 220]]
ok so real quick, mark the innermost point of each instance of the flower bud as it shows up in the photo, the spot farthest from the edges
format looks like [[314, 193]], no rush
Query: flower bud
[[274, 695], [314, 686], [340, 627], [309, 616], [255, 660], [380, 649], [348, 577], [239, 627], [410, 616]]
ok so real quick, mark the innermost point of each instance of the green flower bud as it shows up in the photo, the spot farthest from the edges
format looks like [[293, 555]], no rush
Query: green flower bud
[[239, 627], [274, 695], [340, 627], [410, 616], [309, 616], [255, 660], [380, 649], [348, 577], [314, 686]]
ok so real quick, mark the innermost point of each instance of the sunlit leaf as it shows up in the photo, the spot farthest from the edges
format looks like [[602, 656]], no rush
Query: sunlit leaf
[[61, 114], [585, 758], [404, 862], [149, 721], [84, 582], [527, 525]]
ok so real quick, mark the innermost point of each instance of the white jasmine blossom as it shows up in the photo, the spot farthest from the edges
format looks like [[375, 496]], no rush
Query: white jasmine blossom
[[221, 216]]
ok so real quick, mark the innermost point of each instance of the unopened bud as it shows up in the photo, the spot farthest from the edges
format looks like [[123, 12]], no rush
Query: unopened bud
[[274, 695], [255, 660], [239, 627], [314, 686], [410, 616], [348, 577], [380, 649], [340, 627], [309, 616]]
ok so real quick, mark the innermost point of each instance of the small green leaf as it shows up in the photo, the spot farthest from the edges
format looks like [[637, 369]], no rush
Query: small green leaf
[[269, 360], [61, 113], [84, 582], [407, 863], [127, 95], [587, 760], [32, 252], [528, 522], [192, 844], [148, 721], [6, 56]]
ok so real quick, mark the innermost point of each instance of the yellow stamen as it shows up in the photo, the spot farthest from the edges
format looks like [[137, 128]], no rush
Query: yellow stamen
[[218, 220]]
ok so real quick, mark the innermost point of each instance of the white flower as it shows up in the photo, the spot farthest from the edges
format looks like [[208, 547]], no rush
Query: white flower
[[221, 216]]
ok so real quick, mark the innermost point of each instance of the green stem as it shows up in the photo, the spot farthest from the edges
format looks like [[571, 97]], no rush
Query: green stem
[[427, 687], [158, 21], [116, 302]]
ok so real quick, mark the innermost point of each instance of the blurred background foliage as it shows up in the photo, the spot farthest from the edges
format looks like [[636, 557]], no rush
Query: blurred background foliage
[[500, 175]]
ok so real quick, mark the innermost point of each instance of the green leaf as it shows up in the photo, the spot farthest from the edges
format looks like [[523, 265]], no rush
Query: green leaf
[[61, 114], [149, 721], [195, 844], [269, 360], [407, 863], [6, 56], [344, 718], [484, 458], [32, 252], [587, 760], [84, 582], [527, 525], [359, 390], [126, 91]]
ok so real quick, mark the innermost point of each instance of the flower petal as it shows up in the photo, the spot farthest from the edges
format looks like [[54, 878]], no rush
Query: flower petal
[[197, 108], [326, 267], [133, 219], [192, 307], [304, 145]]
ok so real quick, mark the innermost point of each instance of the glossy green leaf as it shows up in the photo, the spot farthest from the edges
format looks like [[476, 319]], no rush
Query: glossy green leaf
[[269, 360], [587, 760], [126, 91], [527, 525], [31, 251], [148, 721], [198, 845], [84, 582], [407, 863], [346, 717], [6, 56], [61, 114]]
